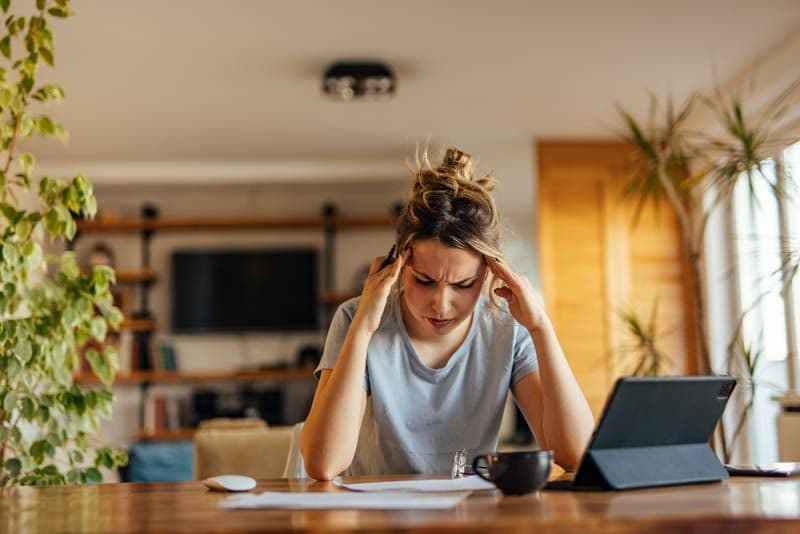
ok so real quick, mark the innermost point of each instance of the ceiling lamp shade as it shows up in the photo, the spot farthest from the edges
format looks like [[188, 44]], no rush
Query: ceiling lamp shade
[[350, 80]]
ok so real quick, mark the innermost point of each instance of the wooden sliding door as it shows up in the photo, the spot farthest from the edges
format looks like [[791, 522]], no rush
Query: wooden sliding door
[[596, 264]]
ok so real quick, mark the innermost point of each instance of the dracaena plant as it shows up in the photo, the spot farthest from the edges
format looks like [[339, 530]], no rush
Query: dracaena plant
[[50, 311], [695, 172]]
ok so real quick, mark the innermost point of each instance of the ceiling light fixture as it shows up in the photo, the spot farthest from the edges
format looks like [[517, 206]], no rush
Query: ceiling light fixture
[[351, 80]]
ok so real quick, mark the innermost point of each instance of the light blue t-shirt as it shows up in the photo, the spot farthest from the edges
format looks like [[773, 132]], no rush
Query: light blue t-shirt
[[416, 417]]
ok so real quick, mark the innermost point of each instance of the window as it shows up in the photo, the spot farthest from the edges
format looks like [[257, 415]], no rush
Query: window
[[791, 158], [770, 326]]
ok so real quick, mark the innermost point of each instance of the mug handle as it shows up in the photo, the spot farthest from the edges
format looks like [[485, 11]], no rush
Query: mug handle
[[475, 467]]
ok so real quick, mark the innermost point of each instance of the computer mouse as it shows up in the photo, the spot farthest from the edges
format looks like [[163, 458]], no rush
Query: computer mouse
[[230, 483]]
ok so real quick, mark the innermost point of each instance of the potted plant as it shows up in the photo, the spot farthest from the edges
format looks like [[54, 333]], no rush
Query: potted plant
[[49, 309], [696, 172]]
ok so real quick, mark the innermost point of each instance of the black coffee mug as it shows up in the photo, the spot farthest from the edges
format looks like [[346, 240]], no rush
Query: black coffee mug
[[515, 473]]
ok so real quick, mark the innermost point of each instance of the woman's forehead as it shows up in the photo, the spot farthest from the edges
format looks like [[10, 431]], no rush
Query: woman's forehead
[[431, 257]]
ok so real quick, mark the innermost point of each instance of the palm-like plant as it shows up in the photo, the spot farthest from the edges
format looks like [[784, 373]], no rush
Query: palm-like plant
[[696, 172], [648, 358]]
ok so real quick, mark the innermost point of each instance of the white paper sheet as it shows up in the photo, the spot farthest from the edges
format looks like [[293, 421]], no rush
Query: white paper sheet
[[384, 500], [470, 483]]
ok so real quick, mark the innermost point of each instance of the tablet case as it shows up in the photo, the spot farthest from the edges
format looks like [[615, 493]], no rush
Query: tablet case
[[656, 432]]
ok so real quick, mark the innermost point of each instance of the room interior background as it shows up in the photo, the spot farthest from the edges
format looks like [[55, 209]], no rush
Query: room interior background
[[237, 125]]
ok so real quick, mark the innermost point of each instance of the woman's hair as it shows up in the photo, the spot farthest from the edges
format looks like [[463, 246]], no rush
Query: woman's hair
[[449, 203]]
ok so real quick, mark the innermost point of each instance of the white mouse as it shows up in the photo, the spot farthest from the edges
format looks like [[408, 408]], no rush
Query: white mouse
[[230, 483]]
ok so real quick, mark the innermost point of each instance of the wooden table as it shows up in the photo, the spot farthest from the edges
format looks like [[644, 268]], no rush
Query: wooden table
[[736, 505]]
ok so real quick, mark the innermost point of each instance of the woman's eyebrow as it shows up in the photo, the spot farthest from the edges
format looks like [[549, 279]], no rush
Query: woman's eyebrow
[[464, 281]]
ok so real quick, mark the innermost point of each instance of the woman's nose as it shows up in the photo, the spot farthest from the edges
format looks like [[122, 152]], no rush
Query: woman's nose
[[441, 301]]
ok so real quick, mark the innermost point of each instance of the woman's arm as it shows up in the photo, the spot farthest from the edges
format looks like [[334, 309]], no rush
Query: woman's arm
[[550, 399], [330, 434], [552, 402]]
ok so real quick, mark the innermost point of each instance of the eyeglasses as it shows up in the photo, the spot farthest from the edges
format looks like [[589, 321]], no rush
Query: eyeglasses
[[460, 467]]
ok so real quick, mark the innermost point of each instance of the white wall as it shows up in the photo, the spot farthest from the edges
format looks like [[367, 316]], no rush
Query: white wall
[[514, 168]]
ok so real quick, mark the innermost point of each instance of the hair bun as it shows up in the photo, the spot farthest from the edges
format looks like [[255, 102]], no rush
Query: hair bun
[[457, 162]]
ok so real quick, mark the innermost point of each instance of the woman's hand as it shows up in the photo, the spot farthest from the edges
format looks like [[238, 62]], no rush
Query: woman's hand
[[518, 291], [376, 291]]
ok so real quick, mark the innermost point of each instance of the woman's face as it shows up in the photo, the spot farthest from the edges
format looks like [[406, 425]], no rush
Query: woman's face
[[441, 285]]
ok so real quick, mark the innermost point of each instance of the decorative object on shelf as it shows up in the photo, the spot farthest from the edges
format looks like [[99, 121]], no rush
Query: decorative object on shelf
[[48, 308], [149, 211], [100, 254], [397, 209], [351, 80]]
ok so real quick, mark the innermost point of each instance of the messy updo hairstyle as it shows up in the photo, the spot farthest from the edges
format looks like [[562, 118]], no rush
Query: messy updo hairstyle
[[449, 203]]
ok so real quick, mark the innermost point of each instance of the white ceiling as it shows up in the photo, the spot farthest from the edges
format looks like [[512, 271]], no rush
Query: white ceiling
[[201, 80]]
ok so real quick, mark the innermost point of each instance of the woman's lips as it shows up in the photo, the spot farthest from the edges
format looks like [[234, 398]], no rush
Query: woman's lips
[[438, 323]]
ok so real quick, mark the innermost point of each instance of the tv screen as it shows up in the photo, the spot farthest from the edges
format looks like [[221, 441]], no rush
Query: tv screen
[[244, 290]]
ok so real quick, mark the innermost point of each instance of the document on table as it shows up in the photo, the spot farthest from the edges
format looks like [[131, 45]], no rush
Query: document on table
[[383, 500], [470, 483]]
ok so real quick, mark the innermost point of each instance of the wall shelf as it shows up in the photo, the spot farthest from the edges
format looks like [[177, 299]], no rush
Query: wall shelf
[[178, 377], [143, 326], [193, 224], [138, 325], [136, 277]]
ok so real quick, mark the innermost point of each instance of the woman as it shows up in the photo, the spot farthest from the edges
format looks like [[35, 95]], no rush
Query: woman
[[411, 374]]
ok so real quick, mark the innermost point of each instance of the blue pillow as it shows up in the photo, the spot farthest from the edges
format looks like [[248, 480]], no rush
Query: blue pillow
[[161, 461]]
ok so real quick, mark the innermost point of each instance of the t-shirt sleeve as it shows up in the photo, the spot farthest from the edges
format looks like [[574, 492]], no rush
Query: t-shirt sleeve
[[337, 332], [525, 360]]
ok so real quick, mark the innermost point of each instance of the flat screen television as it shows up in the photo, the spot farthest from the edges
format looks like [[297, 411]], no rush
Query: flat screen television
[[245, 290]]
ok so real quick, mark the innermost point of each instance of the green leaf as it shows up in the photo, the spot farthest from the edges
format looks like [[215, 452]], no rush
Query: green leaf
[[28, 409], [111, 356], [25, 128], [115, 317], [26, 160], [35, 258], [5, 46], [60, 132], [46, 126], [47, 56], [39, 450], [10, 253], [13, 369], [98, 328], [12, 465], [100, 367], [6, 96], [69, 265], [10, 402], [23, 230], [93, 475], [23, 350], [40, 4], [58, 12], [43, 414], [26, 84]]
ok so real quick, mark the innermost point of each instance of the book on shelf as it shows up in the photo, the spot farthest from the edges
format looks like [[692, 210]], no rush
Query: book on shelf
[[166, 413], [164, 358]]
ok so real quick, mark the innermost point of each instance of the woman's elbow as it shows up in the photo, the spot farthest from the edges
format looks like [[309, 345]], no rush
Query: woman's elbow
[[568, 462], [318, 466], [320, 470]]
